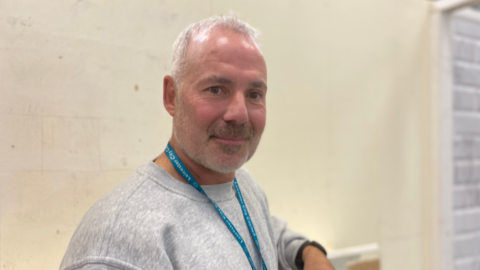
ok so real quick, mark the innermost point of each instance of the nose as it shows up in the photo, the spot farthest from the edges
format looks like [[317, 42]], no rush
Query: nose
[[236, 110]]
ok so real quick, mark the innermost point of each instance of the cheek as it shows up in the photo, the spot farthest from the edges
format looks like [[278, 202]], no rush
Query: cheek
[[258, 119], [205, 115]]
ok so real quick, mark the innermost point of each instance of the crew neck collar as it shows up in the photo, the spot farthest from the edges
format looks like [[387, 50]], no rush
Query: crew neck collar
[[218, 193]]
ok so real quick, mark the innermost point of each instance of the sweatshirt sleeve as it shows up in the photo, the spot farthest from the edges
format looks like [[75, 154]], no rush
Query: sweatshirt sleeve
[[288, 243]]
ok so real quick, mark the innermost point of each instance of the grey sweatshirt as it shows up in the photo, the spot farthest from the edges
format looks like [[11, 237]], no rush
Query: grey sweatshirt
[[153, 221]]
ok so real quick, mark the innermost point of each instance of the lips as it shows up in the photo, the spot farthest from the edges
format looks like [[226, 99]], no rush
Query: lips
[[229, 140]]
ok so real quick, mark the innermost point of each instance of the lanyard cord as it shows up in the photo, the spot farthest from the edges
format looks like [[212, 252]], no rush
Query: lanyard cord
[[180, 167]]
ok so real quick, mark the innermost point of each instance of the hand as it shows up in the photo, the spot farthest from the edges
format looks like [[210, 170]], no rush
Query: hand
[[314, 259]]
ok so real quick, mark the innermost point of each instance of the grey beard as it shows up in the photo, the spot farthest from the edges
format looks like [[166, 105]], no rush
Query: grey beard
[[230, 131]]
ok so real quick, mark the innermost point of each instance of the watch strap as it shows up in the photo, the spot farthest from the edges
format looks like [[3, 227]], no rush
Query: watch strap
[[299, 259]]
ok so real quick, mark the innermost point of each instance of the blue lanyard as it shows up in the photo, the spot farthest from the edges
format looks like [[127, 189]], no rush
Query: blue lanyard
[[180, 167]]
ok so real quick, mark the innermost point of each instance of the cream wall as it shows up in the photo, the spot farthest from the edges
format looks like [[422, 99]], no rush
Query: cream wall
[[344, 159]]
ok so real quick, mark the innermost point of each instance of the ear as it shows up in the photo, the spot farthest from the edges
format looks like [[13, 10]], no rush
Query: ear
[[169, 94]]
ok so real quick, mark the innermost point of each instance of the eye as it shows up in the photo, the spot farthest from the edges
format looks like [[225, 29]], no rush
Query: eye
[[215, 90], [254, 95]]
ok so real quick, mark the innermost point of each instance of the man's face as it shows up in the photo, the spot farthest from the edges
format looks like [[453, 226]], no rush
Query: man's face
[[220, 111]]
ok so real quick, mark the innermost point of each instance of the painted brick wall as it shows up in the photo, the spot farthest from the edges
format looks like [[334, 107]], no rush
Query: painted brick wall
[[466, 193]]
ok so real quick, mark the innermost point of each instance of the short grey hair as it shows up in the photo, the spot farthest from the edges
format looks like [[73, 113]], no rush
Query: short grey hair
[[180, 46]]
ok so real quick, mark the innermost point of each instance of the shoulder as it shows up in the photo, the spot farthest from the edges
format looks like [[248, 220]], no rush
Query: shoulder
[[116, 222]]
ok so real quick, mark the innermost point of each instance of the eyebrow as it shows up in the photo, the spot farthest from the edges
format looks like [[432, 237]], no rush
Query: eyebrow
[[258, 84], [223, 80], [216, 79]]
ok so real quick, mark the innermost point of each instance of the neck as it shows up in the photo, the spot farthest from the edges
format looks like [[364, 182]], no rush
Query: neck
[[202, 175]]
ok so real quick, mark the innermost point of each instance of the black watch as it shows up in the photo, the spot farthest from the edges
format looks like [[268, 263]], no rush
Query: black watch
[[298, 259]]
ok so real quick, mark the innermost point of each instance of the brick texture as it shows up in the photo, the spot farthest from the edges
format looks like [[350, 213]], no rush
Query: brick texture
[[466, 74], [467, 197], [465, 101], [464, 49], [467, 222], [467, 124], [467, 265], [466, 144], [467, 247], [466, 28]]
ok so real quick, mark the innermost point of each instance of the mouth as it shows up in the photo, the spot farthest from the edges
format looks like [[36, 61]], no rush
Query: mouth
[[230, 140]]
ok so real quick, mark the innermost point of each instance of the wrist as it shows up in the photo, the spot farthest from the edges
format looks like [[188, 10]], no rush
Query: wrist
[[311, 252], [309, 248]]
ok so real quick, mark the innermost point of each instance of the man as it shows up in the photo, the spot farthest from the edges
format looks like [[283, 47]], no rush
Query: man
[[194, 207]]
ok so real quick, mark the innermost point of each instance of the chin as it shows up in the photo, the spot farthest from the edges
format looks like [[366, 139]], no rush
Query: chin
[[226, 164]]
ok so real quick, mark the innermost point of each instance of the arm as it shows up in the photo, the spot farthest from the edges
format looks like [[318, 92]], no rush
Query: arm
[[314, 259], [288, 243], [312, 256], [288, 246]]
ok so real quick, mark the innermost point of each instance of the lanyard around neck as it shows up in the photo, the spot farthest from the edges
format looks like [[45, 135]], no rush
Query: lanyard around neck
[[183, 171]]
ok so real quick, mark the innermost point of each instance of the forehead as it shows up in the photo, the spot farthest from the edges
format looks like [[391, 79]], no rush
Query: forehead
[[225, 48], [220, 35]]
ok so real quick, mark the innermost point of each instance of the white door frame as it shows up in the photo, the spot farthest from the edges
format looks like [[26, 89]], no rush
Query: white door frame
[[441, 203]]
